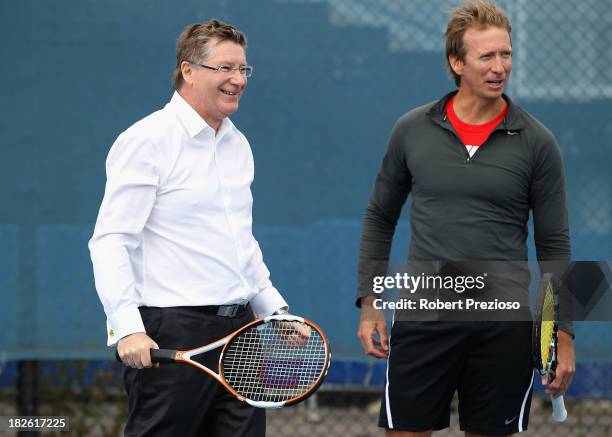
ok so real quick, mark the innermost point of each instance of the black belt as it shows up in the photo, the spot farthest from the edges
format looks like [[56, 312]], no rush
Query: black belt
[[224, 310]]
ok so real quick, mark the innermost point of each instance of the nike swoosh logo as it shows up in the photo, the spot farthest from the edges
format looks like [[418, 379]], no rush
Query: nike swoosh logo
[[509, 421], [512, 133]]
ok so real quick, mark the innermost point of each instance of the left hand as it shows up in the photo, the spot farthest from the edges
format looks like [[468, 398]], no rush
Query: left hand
[[295, 333], [566, 366]]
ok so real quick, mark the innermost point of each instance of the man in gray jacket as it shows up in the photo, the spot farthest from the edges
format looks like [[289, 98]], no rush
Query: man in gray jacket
[[476, 164]]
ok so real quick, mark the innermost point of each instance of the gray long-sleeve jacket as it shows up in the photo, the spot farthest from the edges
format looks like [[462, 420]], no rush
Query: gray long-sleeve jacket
[[466, 208]]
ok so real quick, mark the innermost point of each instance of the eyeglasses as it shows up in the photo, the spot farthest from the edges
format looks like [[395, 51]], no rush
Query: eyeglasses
[[245, 70]]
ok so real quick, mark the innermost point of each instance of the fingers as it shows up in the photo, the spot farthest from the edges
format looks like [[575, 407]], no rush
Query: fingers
[[295, 333], [564, 373], [134, 350], [145, 353], [560, 381], [155, 346], [302, 332], [371, 326], [566, 366], [302, 329], [368, 330], [384, 339], [145, 358], [373, 330]]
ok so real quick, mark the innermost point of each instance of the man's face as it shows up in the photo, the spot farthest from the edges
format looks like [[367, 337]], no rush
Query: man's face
[[217, 93], [487, 63]]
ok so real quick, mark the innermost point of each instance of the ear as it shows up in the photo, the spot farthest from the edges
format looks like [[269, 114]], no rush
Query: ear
[[187, 72], [456, 64]]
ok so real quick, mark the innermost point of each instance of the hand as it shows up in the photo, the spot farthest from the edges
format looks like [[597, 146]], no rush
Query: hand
[[372, 324], [566, 366], [295, 333], [134, 350]]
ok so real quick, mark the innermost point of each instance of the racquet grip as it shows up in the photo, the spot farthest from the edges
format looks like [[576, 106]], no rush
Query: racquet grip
[[163, 355], [559, 413]]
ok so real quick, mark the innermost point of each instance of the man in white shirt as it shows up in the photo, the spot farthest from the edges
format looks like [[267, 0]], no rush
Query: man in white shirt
[[175, 261]]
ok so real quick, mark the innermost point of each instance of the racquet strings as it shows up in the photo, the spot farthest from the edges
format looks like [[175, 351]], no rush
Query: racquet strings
[[547, 324], [269, 363]]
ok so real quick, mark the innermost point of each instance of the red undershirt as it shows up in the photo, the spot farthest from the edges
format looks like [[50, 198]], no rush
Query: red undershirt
[[472, 135]]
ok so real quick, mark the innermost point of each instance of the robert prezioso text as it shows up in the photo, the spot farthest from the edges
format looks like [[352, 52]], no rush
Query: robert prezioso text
[[437, 304], [458, 284]]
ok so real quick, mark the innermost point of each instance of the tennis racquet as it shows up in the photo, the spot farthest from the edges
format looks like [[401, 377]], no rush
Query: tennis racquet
[[269, 363], [545, 331]]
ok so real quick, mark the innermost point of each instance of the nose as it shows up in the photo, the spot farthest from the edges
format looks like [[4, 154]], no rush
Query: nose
[[498, 65], [238, 79]]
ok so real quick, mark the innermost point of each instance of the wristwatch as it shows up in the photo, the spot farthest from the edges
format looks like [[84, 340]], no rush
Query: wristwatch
[[281, 311]]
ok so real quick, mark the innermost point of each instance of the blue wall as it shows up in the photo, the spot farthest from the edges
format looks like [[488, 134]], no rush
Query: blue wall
[[317, 112]]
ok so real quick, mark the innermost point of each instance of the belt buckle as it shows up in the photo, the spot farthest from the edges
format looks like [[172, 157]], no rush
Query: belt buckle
[[228, 310]]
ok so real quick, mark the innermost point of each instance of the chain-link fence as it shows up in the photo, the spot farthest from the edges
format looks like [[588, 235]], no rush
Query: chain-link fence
[[91, 395], [561, 51]]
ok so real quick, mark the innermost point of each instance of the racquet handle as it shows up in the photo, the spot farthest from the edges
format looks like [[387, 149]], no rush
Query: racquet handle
[[163, 355], [559, 413]]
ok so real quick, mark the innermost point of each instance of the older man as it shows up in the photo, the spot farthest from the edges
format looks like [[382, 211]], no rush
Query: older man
[[175, 261]]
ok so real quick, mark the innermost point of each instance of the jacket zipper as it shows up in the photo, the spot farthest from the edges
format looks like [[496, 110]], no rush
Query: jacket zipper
[[452, 132], [469, 159]]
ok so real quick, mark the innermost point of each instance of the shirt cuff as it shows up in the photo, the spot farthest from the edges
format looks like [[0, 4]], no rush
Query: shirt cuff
[[124, 322], [267, 301]]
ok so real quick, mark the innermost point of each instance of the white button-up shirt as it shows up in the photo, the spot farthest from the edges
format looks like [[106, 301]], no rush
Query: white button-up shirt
[[174, 227]]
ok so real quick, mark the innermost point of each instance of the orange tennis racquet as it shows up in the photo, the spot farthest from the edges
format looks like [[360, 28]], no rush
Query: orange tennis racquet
[[269, 363]]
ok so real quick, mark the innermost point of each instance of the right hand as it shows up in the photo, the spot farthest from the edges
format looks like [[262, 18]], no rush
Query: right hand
[[372, 324], [134, 350]]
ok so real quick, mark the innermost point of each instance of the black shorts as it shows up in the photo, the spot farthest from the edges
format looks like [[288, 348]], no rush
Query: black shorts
[[487, 363]]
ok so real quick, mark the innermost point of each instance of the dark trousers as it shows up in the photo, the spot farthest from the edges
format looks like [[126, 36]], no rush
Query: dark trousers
[[179, 400]]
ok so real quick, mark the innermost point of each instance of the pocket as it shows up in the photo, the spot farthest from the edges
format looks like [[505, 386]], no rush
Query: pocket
[[152, 320]]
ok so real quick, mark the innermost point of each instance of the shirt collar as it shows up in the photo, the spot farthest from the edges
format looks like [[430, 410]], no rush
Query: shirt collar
[[512, 121], [191, 120], [226, 127]]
